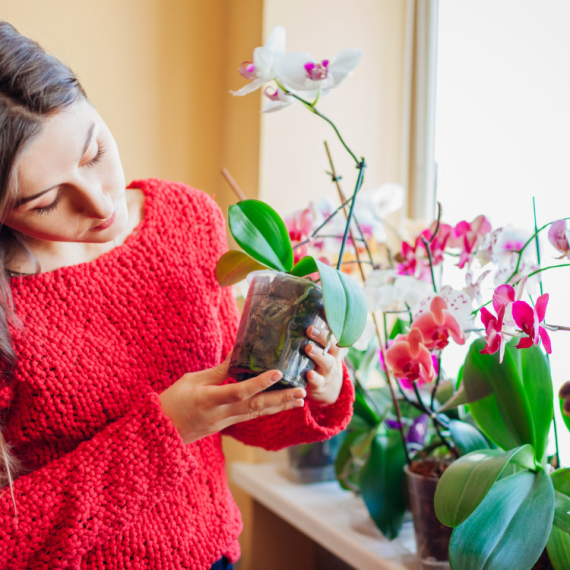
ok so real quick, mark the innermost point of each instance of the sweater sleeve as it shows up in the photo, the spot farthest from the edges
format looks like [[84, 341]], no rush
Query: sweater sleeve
[[80, 500]]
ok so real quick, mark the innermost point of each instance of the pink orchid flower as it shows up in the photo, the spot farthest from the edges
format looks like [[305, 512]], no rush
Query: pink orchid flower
[[558, 235], [493, 332], [410, 360], [437, 325], [528, 319], [468, 237]]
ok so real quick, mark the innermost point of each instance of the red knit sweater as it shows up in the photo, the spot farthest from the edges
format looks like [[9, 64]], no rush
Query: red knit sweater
[[109, 482]]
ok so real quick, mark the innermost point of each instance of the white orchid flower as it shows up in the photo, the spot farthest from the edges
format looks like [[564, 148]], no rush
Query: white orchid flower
[[300, 72], [369, 331], [261, 69], [459, 304], [386, 291], [473, 287]]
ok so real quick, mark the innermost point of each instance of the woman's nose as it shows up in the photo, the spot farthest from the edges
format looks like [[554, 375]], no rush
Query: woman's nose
[[97, 204]]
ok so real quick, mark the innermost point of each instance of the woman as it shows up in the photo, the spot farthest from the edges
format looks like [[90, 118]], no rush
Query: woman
[[114, 337]]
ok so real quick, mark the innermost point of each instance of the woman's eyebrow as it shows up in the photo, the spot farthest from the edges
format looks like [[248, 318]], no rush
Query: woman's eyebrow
[[88, 140], [22, 201]]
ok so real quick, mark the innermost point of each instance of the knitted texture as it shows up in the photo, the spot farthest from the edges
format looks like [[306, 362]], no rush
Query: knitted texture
[[109, 482]]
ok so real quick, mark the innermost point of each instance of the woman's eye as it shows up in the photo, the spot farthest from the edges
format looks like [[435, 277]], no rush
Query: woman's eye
[[49, 208], [101, 149]]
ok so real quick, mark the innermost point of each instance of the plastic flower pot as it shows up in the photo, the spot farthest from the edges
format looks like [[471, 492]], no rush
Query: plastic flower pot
[[432, 537], [278, 310], [314, 462]]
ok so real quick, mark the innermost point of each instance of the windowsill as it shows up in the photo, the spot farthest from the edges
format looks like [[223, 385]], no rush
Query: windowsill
[[337, 519]]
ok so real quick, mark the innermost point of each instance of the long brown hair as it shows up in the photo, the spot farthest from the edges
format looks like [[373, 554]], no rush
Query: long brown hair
[[33, 86]]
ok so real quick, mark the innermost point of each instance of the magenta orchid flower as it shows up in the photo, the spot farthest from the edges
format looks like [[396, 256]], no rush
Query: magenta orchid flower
[[496, 341], [410, 360], [528, 319], [438, 325], [300, 72], [260, 70], [559, 237]]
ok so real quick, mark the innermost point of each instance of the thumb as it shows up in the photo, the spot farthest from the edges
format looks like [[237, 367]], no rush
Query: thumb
[[215, 375]]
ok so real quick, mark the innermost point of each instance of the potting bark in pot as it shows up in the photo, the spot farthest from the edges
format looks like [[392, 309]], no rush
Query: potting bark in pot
[[278, 310]]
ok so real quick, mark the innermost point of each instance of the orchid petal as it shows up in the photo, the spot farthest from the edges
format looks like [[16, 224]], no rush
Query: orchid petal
[[454, 329], [342, 66], [415, 340], [545, 339], [540, 307], [522, 313], [525, 342], [255, 84], [487, 317], [502, 296], [502, 349], [438, 306], [290, 70], [557, 235]]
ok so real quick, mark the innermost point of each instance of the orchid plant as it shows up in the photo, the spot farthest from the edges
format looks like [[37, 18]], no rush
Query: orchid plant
[[256, 227]]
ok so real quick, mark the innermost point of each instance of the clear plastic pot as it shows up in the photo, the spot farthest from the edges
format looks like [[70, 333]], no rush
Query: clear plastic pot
[[432, 537], [278, 310]]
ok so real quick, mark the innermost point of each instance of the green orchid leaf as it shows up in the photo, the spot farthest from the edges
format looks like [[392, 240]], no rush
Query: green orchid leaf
[[400, 327], [234, 266], [565, 418], [458, 399], [466, 437], [505, 415], [364, 410], [509, 529], [345, 304], [260, 232], [466, 482], [561, 481], [346, 470], [382, 480], [562, 508], [534, 370], [558, 548]]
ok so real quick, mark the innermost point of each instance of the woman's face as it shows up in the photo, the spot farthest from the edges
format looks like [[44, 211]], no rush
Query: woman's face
[[70, 180]]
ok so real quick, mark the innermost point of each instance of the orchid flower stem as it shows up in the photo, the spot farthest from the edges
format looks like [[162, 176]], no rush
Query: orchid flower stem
[[555, 328], [536, 239], [546, 268], [313, 109], [434, 418], [426, 245], [359, 261], [436, 386], [336, 180], [338, 237], [438, 223], [361, 167]]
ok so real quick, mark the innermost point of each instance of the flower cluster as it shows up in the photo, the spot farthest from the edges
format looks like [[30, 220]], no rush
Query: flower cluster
[[295, 74], [410, 357]]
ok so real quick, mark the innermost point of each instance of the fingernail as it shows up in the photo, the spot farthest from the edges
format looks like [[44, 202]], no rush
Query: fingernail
[[310, 348], [276, 377], [315, 331], [299, 395], [299, 403]]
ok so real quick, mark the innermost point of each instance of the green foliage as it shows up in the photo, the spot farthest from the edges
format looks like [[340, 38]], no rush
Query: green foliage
[[466, 437], [509, 529], [260, 232], [467, 481], [381, 482], [558, 548], [510, 401], [345, 304]]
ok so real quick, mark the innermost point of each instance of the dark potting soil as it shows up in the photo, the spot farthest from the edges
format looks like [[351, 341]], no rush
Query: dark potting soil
[[278, 311], [430, 468]]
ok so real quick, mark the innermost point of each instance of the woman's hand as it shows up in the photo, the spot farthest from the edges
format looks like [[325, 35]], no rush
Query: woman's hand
[[198, 406], [324, 383]]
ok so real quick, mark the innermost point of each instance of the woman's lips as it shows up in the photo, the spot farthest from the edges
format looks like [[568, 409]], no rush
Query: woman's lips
[[107, 223]]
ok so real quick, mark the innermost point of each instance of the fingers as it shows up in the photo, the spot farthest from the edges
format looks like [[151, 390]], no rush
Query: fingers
[[321, 336], [268, 403], [212, 376], [241, 391], [315, 381], [325, 362]]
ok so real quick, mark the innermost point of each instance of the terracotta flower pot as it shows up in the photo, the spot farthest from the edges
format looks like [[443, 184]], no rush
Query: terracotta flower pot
[[278, 310], [432, 537]]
